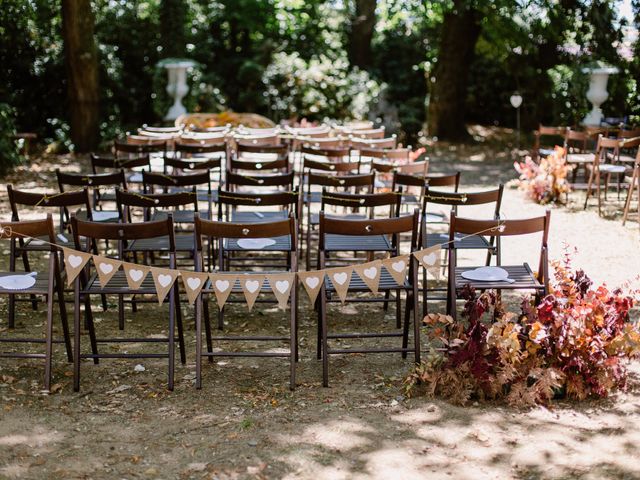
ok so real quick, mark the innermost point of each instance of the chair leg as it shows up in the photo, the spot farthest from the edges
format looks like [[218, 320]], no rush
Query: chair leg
[[589, 186], [405, 327], [48, 342], [88, 319], [627, 203], [64, 320], [325, 353], [220, 318], [171, 344], [120, 312], [76, 339], [598, 191], [181, 346], [398, 308], [319, 306], [425, 309], [207, 325], [199, 304], [385, 306], [293, 340], [416, 329]]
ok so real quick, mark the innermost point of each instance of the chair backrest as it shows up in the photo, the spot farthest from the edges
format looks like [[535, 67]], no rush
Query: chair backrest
[[401, 180], [629, 133], [151, 180], [309, 144], [138, 147], [199, 148], [362, 143], [208, 164], [387, 154], [253, 139], [62, 201], [457, 199], [575, 141], [223, 230], [221, 128], [319, 131], [108, 163], [366, 180], [151, 201], [368, 201], [91, 180], [229, 200], [281, 164], [21, 230], [503, 228], [420, 168], [257, 181], [309, 165], [165, 130], [279, 151], [393, 227], [201, 138], [370, 133], [605, 146], [121, 232]]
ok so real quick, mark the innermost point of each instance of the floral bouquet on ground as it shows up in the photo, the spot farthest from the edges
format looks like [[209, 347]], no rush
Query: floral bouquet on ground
[[575, 343], [545, 182]]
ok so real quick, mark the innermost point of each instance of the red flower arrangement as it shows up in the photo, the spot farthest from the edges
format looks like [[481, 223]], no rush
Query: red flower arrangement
[[545, 182]]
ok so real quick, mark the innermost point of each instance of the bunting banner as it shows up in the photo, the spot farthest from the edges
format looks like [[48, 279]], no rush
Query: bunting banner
[[74, 262], [222, 284], [251, 286], [281, 285], [106, 268], [193, 282], [430, 259], [340, 278], [369, 273], [135, 274], [397, 267], [163, 278], [312, 283]]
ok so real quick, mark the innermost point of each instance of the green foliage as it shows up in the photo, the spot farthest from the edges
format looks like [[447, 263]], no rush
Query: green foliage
[[9, 156], [318, 89]]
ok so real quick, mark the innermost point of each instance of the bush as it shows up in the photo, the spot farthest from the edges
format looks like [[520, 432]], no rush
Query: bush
[[576, 342], [9, 155], [318, 89]]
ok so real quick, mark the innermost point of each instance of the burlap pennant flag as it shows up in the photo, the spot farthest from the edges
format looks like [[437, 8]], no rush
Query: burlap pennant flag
[[135, 274], [251, 286], [370, 274], [281, 285], [222, 286], [340, 278], [397, 267], [312, 283], [193, 283], [430, 258], [106, 268], [164, 279], [74, 262]]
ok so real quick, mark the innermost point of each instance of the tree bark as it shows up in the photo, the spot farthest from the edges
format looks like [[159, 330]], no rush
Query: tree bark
[[460, 32], [173, 17], [81, 59], [362, 26]]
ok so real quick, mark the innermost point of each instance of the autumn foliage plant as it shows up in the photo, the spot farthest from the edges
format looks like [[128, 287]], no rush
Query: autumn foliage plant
[[576, 343], [545, 182]]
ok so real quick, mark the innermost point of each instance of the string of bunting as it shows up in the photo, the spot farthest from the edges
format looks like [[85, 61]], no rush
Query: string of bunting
[[251, 285]]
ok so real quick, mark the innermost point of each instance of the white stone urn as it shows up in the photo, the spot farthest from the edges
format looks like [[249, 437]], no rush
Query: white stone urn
[[177, 87], [597, 93]]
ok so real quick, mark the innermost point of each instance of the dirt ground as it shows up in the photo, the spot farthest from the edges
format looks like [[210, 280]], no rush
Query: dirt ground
[[245, 423]]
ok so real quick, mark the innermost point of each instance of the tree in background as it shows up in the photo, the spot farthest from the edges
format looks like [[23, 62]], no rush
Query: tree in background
[[173, 18], [81, 59], [361, 27]]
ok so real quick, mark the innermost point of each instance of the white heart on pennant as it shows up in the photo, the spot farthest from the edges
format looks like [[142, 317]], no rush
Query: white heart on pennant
[[135, 275], [75, 261], [340, 278], [193, 283], [252, 286], [398, 266], [429, 259], [312, 282], [222, 285], [282, 286], [106, 268], [370, 272], [164, 280]]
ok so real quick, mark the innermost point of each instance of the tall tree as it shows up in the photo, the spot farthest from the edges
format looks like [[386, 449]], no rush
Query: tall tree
[[81, 59], [363, 23], [173, 18], [460, 32]]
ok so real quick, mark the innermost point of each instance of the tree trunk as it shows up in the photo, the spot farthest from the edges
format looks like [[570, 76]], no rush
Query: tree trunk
[[362, 26], [173, 17], [81, 59], [460, 32]]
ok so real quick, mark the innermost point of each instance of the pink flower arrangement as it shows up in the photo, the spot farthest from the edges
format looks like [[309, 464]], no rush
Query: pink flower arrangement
[[545, 182]]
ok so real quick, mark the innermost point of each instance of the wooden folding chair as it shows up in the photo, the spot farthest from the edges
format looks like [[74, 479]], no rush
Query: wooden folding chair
[[363, 143], [101, 187], [140, 145], [406, 182], [600, 168], [198, 165], [161, 183], [633, 185], [47, 283], [361, 229], [87, 284], [287, 203], [539, 150], [284, 232], [132, 166], [252, 182], [456, 201], [520, 276]]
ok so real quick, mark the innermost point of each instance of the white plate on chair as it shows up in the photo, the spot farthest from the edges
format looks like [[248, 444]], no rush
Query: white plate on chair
[[101, 216], [487, 274], [255, 243], [18, 282]]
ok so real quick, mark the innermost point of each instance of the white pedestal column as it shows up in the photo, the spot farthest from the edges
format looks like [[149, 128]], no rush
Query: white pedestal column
[[177, 87], [597, 93]]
